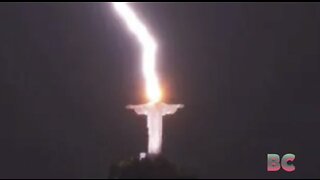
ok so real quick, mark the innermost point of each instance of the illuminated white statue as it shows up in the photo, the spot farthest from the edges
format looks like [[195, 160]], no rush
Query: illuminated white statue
[[154, 113]]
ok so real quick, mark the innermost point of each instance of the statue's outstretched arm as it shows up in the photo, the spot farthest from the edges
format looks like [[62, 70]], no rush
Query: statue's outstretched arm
[[139, 109], [171, 108]]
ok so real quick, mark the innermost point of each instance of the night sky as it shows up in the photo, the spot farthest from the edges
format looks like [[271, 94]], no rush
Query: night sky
[[247, 73]]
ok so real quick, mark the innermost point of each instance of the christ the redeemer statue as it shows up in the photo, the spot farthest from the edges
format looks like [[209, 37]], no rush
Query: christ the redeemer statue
[[154, 113]]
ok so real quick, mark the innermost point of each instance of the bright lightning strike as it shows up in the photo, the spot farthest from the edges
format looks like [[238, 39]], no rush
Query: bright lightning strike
[[149, 47], [155, 109]]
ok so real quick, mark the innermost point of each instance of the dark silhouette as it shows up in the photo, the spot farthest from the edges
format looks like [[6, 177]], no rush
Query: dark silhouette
[[147, 168]]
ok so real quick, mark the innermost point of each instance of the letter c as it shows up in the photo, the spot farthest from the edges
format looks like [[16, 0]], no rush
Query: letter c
[[284, 162]]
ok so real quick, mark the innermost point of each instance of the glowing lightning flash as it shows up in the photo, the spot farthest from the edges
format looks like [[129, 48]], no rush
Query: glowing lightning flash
[[155, 109], [149, 49]]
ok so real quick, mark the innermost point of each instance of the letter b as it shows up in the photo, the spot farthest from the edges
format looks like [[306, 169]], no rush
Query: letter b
[[273, 162]]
